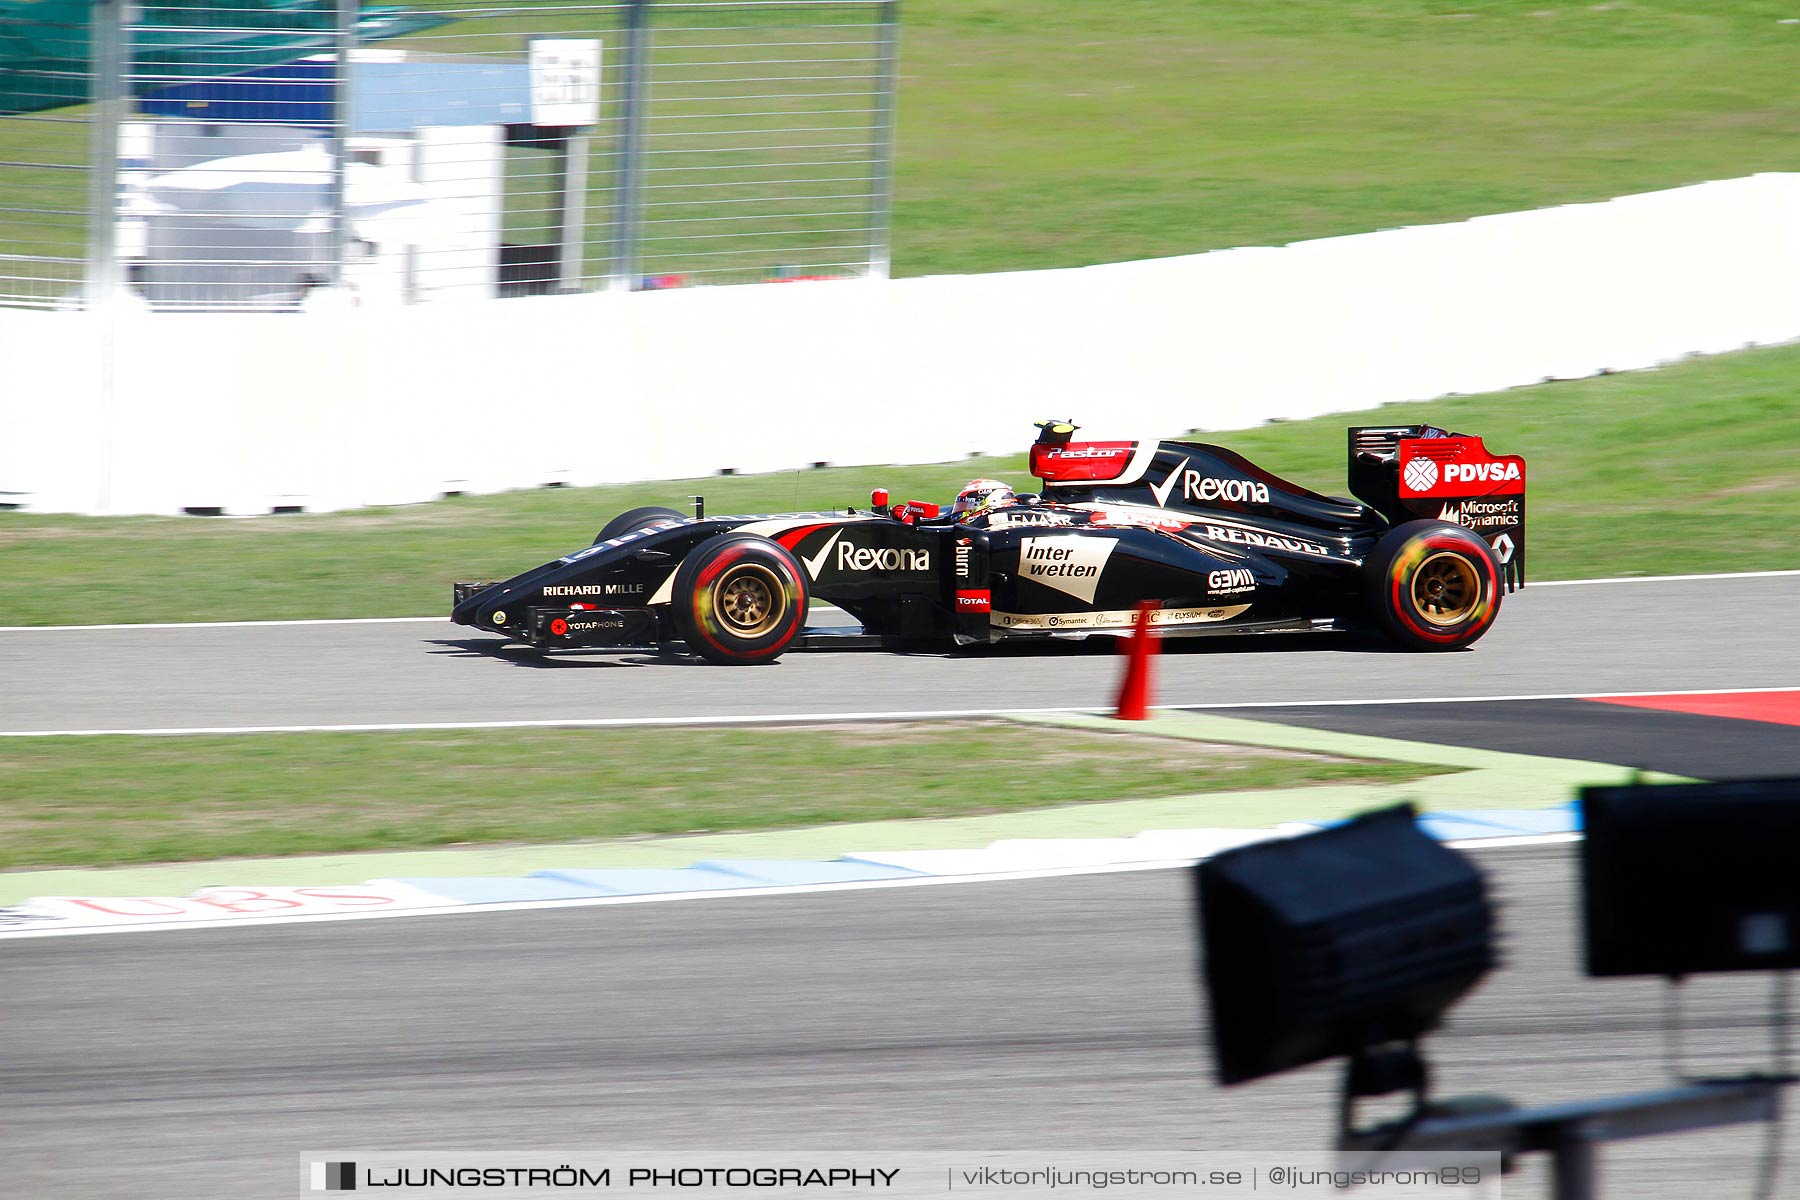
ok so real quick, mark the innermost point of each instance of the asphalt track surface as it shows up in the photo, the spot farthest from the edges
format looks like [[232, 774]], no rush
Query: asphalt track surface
[[1669, 635], [1053, 1013]]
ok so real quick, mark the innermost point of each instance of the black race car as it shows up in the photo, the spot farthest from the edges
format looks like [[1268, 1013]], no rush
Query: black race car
[[1217, 543]]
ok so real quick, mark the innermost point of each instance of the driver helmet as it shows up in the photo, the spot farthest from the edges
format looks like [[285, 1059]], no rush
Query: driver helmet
[[981, 495]]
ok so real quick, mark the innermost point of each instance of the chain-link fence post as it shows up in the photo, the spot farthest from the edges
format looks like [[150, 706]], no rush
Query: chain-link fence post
[[881, 174], [629, 171], [107, 72], [337, 144]]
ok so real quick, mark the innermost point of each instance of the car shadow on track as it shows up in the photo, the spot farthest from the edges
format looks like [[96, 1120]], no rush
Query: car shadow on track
[[518, 655]]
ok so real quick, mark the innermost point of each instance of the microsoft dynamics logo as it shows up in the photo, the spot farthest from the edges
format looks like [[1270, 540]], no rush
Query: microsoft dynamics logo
[[334, 1177]]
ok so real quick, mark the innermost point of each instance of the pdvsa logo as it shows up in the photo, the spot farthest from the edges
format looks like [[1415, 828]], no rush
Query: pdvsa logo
[[1421, 474], [1477, 472]]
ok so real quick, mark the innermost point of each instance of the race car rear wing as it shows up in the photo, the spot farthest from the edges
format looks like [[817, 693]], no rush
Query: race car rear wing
[[1406, 472]]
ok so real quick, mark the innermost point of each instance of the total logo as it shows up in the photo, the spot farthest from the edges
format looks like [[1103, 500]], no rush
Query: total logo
[[1231, 582], [1206, 489], [975, 601], [859, 559]]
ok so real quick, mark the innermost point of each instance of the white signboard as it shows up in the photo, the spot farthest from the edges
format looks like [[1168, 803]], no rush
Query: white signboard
[[565, 81]]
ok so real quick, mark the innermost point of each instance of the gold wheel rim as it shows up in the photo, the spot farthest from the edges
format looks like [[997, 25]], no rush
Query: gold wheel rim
[[747, 601], [1446, 589]]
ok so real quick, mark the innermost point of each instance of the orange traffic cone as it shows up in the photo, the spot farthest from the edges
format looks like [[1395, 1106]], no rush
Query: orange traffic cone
[[1134, 689]]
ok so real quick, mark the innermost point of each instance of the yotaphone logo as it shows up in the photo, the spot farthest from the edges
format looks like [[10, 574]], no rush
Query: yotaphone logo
[[1421, 474]]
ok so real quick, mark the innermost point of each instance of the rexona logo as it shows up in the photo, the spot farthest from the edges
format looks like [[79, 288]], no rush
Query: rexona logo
[[885, 558], [1070, 564], [1206, 489], [1227, 583], [1194, 486]]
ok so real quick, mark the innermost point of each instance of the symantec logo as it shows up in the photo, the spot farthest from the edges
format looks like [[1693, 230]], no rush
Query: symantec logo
[[1457, 467]]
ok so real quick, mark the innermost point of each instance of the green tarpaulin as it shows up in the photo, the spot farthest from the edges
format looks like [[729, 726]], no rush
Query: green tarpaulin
[[44, 52]]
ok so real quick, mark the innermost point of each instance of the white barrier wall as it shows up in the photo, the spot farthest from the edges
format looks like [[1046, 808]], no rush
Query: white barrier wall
[[141, 413]]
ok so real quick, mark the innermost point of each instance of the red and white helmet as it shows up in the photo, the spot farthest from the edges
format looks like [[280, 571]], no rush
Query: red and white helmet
[[979, 495]]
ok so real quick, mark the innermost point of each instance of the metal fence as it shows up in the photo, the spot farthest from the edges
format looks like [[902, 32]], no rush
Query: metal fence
[[305, 154]]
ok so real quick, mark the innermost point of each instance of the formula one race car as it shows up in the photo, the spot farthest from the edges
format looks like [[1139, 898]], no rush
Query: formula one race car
[[1218, 544]]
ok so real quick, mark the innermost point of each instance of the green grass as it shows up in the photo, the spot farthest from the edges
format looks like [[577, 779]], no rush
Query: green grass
[[110, 801], [1058, 134], [1064, 132], [1688, 468]]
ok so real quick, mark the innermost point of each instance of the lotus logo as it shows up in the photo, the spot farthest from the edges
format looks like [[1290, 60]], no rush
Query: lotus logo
[[1421, 474]]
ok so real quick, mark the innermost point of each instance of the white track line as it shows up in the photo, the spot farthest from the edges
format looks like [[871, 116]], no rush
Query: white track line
[[443, 620], [820, 607], [797, 889], [1660, 578], [935, 714]]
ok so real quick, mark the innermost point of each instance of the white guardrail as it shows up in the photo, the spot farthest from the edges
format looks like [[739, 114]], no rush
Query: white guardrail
[[133, 412]]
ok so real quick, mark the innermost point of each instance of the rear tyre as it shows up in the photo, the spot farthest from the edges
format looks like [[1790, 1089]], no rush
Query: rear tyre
[[1433, 585], [630, 519], [739, 599]]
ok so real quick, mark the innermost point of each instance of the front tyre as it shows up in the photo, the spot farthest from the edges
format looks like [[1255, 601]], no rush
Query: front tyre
[[1433, 585], [739, 599]]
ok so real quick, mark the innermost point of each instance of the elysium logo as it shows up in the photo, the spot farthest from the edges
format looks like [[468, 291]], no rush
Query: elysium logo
[[334, 1177]]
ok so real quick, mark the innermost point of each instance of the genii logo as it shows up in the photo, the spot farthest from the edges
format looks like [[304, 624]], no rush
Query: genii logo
[[1231, 582]]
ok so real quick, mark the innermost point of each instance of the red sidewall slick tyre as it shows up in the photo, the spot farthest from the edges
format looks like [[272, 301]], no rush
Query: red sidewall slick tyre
[[1433, 585], [739, 599]]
